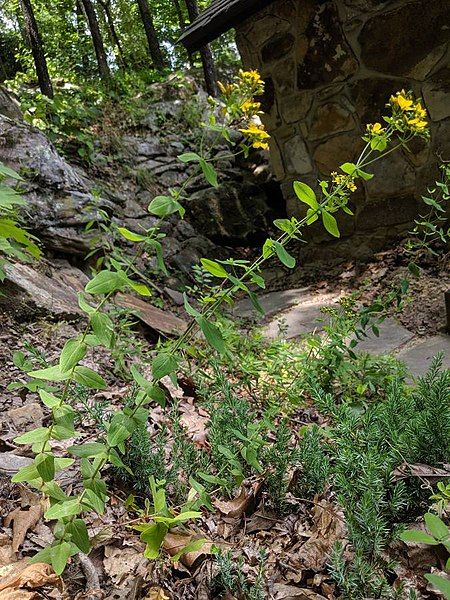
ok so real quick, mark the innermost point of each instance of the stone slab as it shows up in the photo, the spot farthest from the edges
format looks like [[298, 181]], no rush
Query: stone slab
[[419, 357], [160, 320], [272, 303], [301, 319], [392, 337]]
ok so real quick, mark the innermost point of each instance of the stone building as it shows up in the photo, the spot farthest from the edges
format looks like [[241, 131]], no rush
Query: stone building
[[329, 68]]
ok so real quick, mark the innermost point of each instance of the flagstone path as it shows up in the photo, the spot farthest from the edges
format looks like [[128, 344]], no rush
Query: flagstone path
[[293, 313]]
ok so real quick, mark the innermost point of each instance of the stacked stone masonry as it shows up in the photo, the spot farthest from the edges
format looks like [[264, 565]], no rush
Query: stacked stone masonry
[[329, 68]]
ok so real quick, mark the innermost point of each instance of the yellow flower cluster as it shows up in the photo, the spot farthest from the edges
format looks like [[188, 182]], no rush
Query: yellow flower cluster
[[344, 180], [249, 107], [253, 80], [375, 129], [256, 135], [412, 111]]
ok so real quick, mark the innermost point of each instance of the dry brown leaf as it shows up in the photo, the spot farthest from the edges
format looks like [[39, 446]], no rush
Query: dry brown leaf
[[174, 542], [121, 564], [23, 520], [329, 526], [406, 470], [290, 592], [195, 421], [156, 593], [242, 503], [23, 575]]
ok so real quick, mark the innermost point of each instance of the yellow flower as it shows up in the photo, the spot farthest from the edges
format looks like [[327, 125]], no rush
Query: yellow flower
[[250, 77], [375, 129], [417, 123], [419, 111], [250, 107], [257, 135], [402, 101], [259, 144]]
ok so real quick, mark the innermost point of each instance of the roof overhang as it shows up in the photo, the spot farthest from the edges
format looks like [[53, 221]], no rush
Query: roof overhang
[[221, 16]]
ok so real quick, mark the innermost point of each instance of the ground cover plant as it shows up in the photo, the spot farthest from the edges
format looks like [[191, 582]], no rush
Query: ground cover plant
[[315, 428]]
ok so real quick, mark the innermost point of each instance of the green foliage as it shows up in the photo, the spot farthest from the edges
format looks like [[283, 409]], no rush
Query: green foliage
[[15, 242], [232, 579], [438, 534], [367, 439], [314, 463], [359, 579]]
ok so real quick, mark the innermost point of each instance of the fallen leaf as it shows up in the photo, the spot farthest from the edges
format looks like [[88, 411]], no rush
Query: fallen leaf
[[243, 501], [174, 542], [121, 564], [406, 470], [194, 422], [156, 593], [22, 575], [290, 592], [23, 520], [328, 527]]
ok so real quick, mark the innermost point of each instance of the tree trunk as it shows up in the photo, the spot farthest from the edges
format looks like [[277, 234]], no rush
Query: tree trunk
[[35, 41], [81, 20], [209, 68], [97, 40], [152, 38], [179, 12], [106, 5]]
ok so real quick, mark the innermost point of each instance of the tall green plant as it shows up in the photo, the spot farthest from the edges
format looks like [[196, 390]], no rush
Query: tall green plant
[[237, 110], [15, 242]]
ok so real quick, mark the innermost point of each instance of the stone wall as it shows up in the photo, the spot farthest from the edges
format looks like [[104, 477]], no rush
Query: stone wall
[[329, 69]]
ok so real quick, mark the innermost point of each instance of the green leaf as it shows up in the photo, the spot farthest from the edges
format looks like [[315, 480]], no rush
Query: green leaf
[[7, 172], [436, 526], [60, 555], [214, 268], [378, 143], [105, 282], [45, 466], [414, 269], [209, 172], [163, 364], [131, 235], [139, 288], [312, 216], [89, 378], [188, 308], [103, 328], [415, 535], [349, 168], [93, 501], [50, 374], [80, 537], [120, 428], [330, 224], [41, 434], [89, 449], [72, 353], [212, 334], [305, 194], [189, 157], [63, 509], [212, 479], [441, 583], [48, 399], [283, 255], [193, 546], [28, 473], [153, 536], [162, 206], [85, 307], [364, 175]]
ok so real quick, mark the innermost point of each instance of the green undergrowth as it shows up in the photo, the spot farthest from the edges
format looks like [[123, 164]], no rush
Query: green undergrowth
[[275, 417]]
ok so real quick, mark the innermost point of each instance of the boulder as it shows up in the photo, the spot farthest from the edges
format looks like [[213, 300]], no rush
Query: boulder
[[59, 195]]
